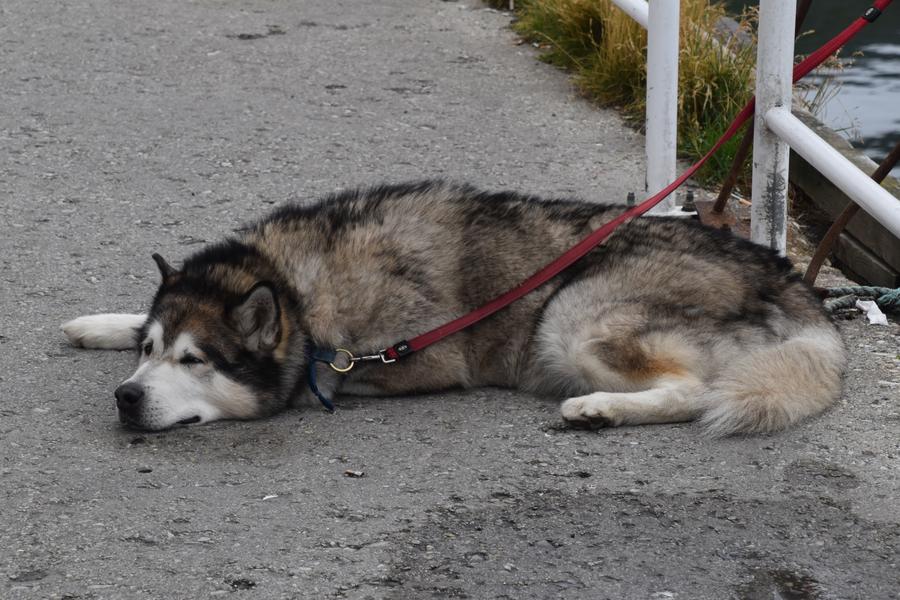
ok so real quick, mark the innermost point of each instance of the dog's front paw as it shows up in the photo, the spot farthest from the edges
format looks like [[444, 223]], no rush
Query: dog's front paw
[[108, 331]]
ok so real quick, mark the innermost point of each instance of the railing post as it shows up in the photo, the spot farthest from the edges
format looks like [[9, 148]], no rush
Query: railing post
[[774, 63], [662, 98]]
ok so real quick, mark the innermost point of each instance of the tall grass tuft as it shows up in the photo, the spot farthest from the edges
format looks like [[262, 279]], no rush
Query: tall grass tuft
[[606, 50]]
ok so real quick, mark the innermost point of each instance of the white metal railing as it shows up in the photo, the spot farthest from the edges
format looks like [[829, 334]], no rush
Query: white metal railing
[[777, 131], [636, 9], [870, 196], [774, 82], [661, 19]]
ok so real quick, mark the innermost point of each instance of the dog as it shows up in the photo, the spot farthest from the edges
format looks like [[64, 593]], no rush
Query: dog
[[667, 321]]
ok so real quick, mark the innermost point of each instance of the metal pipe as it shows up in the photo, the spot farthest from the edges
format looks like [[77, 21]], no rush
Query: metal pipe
[[638, 10], [774, 66], [803, 7], [858, 186], [746, 142], [736, 164], [662, 99], [834, 232]]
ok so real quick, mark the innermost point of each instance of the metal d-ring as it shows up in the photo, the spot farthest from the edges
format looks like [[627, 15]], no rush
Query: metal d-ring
[[350, 358]]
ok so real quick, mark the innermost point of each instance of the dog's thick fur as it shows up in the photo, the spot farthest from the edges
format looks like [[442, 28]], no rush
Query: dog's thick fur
[[667, 321]]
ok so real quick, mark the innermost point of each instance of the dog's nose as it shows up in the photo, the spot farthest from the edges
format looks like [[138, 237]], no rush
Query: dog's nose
[[129, 396]]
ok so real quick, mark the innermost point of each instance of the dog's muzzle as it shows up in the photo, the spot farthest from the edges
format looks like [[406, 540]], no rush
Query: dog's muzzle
[[129, 397]]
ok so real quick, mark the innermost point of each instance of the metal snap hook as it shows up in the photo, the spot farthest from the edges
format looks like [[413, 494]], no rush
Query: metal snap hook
[[351, 360]]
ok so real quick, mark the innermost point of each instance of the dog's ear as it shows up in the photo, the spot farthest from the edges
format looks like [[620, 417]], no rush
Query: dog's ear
[[258, 318], [167, 271]]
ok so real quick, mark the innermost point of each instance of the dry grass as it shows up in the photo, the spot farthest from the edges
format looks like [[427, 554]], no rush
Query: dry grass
[[606, 51]]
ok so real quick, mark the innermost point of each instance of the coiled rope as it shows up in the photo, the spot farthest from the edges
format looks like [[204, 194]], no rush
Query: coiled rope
[[846, 297]]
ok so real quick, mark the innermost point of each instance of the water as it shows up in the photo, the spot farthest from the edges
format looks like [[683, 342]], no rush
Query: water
[[866, 106]]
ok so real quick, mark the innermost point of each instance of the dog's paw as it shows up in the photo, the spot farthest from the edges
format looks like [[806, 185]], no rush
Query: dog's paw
[[108, 331], [589, 412]]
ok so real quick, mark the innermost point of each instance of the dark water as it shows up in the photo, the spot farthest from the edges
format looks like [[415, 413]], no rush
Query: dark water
[[866, 106]]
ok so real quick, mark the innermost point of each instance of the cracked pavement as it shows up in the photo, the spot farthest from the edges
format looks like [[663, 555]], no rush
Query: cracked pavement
[[130, 128]]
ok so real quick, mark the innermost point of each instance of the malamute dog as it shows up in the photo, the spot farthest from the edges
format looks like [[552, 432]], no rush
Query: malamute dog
[[667, 321]]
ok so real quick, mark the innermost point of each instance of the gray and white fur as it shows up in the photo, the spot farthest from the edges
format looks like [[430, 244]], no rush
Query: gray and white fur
[[667, 321]]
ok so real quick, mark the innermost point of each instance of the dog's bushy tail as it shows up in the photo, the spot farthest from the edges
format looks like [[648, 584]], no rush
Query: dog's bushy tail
[[773, 387]]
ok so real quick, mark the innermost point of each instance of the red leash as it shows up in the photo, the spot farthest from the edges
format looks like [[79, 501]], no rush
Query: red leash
[[594, 239], [578, 251]]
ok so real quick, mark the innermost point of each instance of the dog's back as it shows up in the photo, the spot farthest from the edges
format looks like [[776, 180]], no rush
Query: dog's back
[[387, 263]]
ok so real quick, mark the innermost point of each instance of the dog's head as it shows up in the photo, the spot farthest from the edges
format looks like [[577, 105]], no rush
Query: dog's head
[[214, 347]]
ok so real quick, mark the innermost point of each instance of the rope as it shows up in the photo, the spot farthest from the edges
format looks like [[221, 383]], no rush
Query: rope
[[841, 303], [845, 297]]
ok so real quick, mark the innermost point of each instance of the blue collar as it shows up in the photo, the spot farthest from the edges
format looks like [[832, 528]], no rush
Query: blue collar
[[343, 364], [315, 354]]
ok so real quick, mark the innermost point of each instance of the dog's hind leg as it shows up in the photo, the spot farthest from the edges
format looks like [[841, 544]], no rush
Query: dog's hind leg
[[672, 400], [618, 369], [107, 331]]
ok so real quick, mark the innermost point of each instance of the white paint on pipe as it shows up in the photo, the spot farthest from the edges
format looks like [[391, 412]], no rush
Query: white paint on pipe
[[636, 9], [774, 63], [662, 99], [870, 196]]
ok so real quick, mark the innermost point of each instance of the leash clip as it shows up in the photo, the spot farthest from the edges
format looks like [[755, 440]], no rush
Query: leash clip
[[340, 360], [349, 361]]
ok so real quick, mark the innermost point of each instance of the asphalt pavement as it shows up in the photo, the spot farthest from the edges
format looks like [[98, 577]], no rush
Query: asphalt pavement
[[128, 128]]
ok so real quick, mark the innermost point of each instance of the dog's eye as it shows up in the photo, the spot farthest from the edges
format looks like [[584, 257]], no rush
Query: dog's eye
[[148, 348], [190, 359]]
